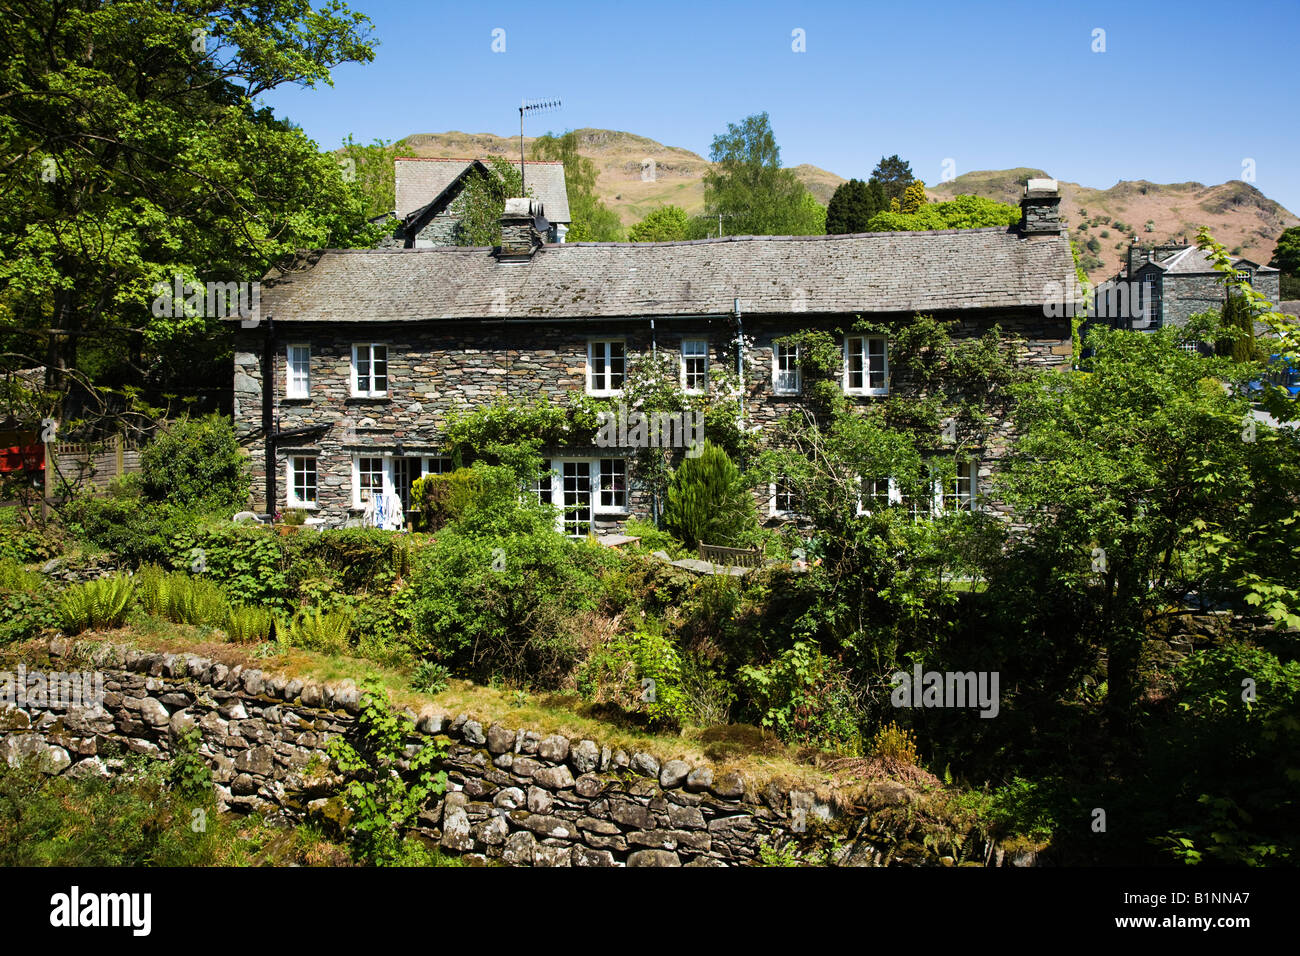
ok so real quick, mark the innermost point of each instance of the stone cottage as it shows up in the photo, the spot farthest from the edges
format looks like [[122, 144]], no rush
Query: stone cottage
[[429, 193], [360, 355], [1175, 281]]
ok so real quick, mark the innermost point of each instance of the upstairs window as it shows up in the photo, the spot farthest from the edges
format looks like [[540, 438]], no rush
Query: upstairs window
[[298, 377], [695, 365], [785, 369], [866, 365], [606, 363], [369, 371]]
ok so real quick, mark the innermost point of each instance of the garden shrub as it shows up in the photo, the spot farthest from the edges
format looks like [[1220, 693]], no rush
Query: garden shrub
[[442, 499], [23, 544], [196, 463], [363, 560], [24, 614], [708, 500], [386, 786], [136, 530], [247, 559], [498, 592], [806, 699]]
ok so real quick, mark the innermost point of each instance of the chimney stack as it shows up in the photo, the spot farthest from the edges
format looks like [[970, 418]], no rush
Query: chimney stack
[[519, 240], [1040, 212]]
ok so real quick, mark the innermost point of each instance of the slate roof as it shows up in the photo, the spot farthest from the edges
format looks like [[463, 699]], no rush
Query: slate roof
[[1195, 261], [970, 269], [420, 181]]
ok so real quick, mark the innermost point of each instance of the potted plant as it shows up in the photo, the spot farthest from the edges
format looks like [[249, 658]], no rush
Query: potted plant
[[292, 520]]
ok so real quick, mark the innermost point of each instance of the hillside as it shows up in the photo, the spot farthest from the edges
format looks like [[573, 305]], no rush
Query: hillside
[[678, 173], [1238, 214]]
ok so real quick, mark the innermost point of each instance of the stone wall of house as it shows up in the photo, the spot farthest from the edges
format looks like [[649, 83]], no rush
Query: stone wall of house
[[1182, 296], [514, 795], [437, 368]]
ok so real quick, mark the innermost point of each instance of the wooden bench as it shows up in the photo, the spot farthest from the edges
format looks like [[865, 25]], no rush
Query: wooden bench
[[732, 557]]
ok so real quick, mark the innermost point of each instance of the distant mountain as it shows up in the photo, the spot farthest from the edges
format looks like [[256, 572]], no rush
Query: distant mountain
[[677, 179], [1238, 214]]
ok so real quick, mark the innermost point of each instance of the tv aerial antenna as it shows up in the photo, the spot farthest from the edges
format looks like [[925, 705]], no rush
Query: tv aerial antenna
[[531, 108]]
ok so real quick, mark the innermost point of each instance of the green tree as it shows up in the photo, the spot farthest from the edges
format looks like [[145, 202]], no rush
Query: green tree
[[708, 500], [913, 198], [748, 187], [1238, 325], [135, 151], [960, 212], [852, 205], [196, 463], [372, 167], [894, 176], [1130, 468], [483, 200], [1286, 257], [665, 224], [592, 220]]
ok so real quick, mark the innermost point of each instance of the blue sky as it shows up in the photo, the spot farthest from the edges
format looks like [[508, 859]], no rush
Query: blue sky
[[1184, 91]]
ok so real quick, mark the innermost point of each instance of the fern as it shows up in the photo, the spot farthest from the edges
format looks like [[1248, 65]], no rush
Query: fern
[[96, 604]]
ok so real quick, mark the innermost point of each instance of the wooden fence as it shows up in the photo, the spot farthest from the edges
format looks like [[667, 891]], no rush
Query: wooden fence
[[76, 466]]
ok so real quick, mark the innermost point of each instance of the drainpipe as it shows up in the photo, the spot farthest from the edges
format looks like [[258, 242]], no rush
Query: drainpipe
[[268, 402]]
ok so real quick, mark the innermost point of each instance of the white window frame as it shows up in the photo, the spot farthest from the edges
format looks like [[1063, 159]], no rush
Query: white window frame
[[385, 478], [865, 353], [772, 509], [429, 468], [291, 498], [297, 386], [936, 501], [701, 353], [604, 345], [970, 471], [555, 468], [777, 388], [894, 495], [369, 391]]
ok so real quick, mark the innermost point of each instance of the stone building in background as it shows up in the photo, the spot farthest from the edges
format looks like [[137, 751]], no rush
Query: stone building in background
[[429, 198]]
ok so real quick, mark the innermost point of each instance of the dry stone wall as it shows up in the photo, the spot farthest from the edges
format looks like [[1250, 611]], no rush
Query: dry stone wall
[[514, 795]]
